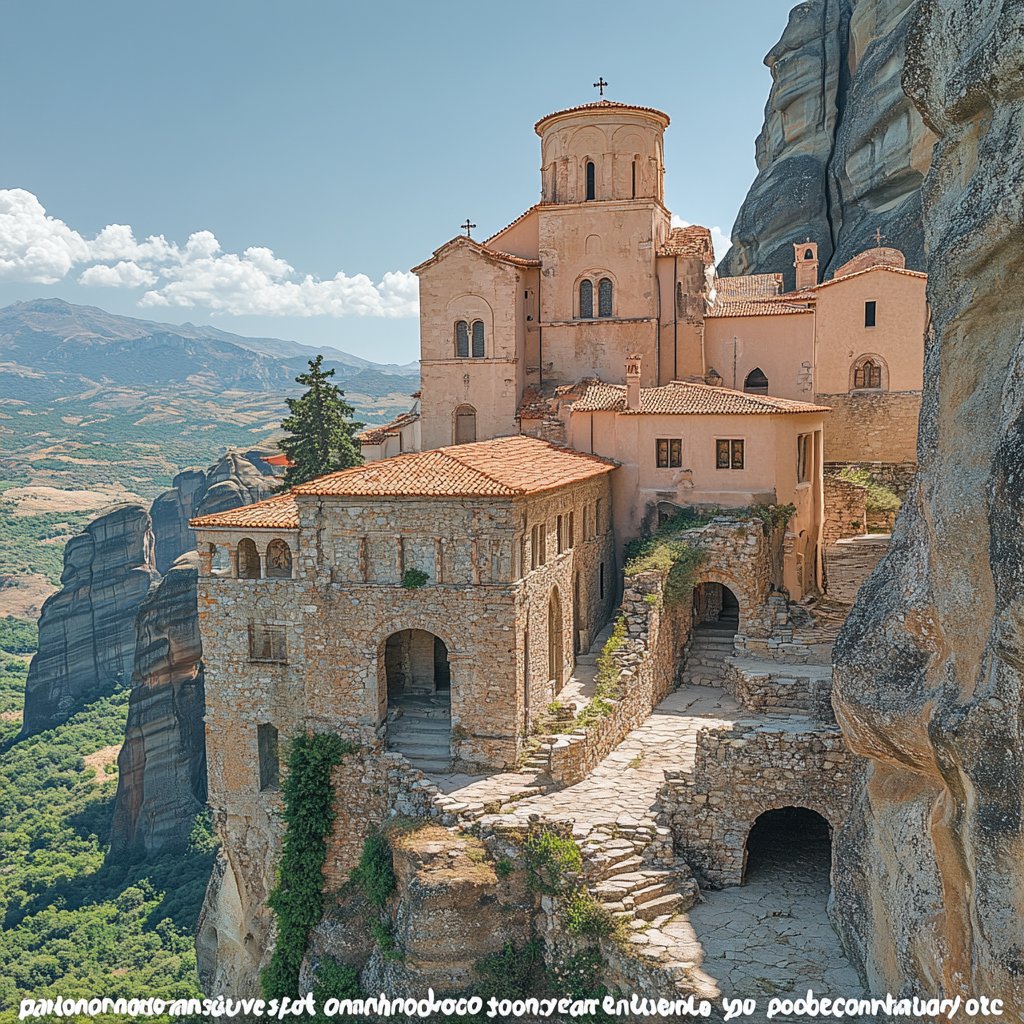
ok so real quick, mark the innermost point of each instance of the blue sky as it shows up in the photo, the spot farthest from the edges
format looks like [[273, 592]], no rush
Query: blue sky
[[269, 147]]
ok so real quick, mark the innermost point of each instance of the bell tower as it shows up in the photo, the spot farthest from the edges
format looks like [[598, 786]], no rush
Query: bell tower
[[806, 264]]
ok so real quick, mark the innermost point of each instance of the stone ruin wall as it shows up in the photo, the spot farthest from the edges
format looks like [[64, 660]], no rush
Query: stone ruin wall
[[878, 427], [845, 510], [743, 771]]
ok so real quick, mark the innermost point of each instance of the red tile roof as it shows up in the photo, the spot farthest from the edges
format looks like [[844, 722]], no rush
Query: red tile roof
[[601, 105], [683, 398], [472, 243], [692, 240], [277, 513], [870, 270], [278, 460], [748, 286], [375, 435], [502, 467], [755, 307]]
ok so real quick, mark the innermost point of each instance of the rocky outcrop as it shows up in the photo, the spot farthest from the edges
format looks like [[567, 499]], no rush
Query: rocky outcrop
[[930, 666], [87, 629], [235, 479], [843, 151], [162, 765]]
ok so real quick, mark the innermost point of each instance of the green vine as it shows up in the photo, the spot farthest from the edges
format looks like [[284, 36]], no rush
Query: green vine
[[413, 579], [374, 873], [297, 896], [773, 516]]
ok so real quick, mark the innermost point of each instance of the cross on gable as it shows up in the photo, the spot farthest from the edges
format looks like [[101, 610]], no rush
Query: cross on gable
[[467, 227], [601, 85], [878, 236]]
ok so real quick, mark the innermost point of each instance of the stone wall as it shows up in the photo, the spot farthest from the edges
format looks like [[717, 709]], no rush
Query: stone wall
[[897, 476], [845, 510], [871, 426], [743, 771], [789, 689]]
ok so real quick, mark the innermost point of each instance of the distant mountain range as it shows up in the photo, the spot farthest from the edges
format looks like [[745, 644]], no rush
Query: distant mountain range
[[57, 344]]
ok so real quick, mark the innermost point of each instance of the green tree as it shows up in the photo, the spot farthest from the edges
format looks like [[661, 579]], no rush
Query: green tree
[[321, 432]]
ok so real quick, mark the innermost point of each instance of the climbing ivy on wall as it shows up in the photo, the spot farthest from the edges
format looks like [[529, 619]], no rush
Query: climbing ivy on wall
[[297, 896]]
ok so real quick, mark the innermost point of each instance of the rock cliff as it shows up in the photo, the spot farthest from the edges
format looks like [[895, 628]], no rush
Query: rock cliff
[[161, 781], [843, 151], [929, 665], [87, 629]]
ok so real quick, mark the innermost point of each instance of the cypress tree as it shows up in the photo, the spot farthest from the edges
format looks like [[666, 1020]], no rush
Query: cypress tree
[[321, 432]]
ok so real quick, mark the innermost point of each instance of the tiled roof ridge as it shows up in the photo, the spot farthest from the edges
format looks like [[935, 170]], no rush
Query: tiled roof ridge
[[601, 105], [614, 396], [234, 517], [497, 254], [867, 270]]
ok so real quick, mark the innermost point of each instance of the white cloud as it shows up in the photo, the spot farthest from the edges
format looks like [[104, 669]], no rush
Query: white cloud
[[123, 274], [38, 248], [719, 239]]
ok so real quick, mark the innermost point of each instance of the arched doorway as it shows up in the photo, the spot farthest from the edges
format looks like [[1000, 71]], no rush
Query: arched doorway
[[789, 841], [419, 715], [715, 608], [556, 657]]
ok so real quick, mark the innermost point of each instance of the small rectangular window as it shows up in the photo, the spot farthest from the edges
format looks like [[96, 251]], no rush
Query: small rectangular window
[[572, 530], [869, 313], [538, 543], [559, 534], [597, 518], [267, 643], [270, 765], [729, 453], [803, 458]]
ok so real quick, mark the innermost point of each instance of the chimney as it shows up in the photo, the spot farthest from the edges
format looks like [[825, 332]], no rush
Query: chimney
[[806, 264], [632, 382]]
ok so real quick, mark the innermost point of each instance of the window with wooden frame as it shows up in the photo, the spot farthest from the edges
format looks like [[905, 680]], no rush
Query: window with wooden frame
[[867, 374], [538, 544], [268, 643], [804, 457], [729, 453], [668, 452]]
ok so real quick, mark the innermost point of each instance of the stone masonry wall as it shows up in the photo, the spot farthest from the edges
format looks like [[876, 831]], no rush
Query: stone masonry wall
[[845, 510], [877, 427], [747, 769]]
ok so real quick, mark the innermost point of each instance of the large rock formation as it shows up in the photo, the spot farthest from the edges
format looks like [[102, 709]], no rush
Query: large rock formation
[[87, 629], [843, 151], [162, 765], [929, 666], [161, 781]]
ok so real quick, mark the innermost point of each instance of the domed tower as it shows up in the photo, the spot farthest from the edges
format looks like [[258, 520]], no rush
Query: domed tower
[[602, 151]]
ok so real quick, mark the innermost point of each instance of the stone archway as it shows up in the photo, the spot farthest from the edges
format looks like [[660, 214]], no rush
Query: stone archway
[[794, 841], [417, 677], [716, 608]]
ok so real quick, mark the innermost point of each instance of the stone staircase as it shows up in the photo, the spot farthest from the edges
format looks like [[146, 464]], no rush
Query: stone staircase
[[422, 734], [705, 663], [849, 562]]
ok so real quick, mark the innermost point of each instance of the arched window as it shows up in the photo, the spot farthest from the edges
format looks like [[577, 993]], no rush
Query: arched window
[[462, 339], [586, 300], [867, 374], [279, 560], [756, 382], [478, 339], [809, 254], [248, 560], [465, 424], [604, 297], [591, 180]]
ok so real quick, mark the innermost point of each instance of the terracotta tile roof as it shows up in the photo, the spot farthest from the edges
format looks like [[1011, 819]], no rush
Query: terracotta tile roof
[[693, 240], [601, 105], [870, 270], [375, 435], [513, 223], [534, 406], [877, 256], [504, 467], [748, 286], [472, 243], [686, 399], [755, 307], [277, 513]]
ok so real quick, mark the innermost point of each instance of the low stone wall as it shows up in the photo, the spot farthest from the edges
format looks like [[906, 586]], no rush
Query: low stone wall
[[881, 426], [647, 664], [790, 689], [845, 510], [743, 771], [897, 476]]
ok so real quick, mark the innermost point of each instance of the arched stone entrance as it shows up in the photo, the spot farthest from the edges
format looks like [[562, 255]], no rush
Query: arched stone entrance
[[419, 702], [789, 840], [715, 608]]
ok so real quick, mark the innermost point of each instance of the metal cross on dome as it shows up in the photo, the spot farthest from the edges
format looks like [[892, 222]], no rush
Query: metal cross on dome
[[467, 227], [600, 85]]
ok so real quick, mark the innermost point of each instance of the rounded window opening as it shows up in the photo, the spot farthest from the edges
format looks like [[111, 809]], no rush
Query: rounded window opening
[[248, 560], [756, 382], [715, 608], [279, 560], [465, 424], [419, 702], [220, 560], [792, 840]]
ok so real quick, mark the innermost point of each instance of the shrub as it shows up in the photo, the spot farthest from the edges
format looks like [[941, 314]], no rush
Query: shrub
[[772, 516], [504, 867], [585, 916], [549, 859], [18, 636], [511, 974], [375, 874], [880, 498], [383, 933], [334, 980], [413, 579], [297, 896]]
